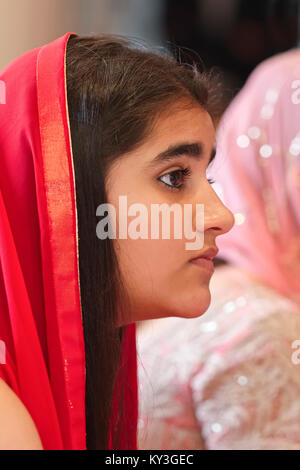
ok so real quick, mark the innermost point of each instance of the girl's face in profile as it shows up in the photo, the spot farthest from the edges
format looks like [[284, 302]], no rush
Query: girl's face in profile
[[158, 273]]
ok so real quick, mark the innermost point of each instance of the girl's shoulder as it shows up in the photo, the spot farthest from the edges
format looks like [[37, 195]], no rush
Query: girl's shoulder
[[17, 429]]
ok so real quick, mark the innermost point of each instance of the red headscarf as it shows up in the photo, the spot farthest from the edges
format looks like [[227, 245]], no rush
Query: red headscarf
[[40, 311]]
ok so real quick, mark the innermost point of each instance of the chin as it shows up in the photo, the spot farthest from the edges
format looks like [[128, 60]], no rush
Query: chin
[[194, 306]]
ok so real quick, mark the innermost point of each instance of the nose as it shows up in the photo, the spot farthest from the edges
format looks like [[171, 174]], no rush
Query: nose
[[217, 216]]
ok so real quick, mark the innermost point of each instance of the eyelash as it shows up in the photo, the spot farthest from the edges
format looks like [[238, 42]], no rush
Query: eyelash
[[186, 172]]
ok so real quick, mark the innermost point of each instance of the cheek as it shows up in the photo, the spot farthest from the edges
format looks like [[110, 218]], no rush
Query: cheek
[[143, 263], [147, 268], [159, 280]]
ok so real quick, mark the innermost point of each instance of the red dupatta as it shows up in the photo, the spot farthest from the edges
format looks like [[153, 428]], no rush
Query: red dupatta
[[40, 310]]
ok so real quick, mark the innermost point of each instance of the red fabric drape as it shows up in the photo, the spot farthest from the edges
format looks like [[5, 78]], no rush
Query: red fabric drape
[[40, 311]]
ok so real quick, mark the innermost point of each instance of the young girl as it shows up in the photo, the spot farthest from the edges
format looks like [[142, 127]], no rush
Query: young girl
[[84, 121]]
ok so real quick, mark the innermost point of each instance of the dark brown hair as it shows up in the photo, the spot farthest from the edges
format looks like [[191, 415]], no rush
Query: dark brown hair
[[116, 87]]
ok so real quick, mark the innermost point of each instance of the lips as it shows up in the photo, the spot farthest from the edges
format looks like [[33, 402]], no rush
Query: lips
[[204, 260], [209, 254], [205, 263]]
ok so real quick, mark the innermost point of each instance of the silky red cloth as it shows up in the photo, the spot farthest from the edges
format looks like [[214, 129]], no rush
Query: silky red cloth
[[40, 310]]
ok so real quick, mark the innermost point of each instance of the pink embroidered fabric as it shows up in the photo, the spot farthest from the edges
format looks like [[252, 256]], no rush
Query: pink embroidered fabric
[[229, 379]]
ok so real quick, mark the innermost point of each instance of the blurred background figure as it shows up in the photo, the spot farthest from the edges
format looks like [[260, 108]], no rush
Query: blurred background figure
[[231, 379]]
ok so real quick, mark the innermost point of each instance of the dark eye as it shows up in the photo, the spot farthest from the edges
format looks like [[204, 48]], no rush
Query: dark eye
[[210, 181], [175, 179]]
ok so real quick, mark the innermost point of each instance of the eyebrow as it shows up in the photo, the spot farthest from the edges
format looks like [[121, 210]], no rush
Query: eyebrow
[[194, 150]]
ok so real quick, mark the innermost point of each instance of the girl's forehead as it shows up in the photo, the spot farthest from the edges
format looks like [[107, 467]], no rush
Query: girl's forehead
[[191, 124]]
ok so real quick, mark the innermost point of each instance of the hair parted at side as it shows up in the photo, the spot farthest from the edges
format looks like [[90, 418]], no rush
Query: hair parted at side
[[116, 87]]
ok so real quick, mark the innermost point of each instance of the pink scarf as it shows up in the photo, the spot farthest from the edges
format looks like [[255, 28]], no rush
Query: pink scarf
[[257, 174]]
